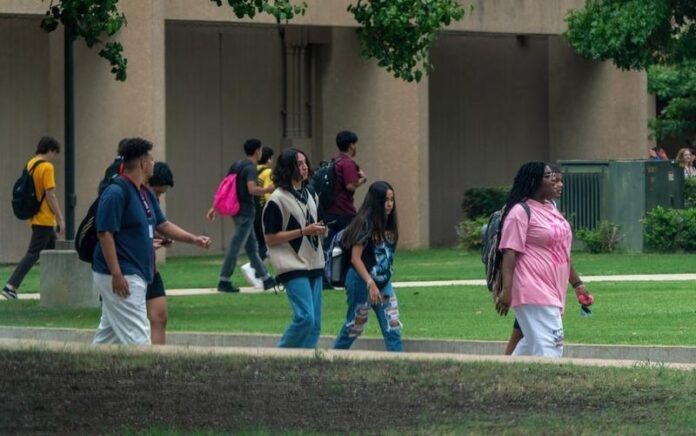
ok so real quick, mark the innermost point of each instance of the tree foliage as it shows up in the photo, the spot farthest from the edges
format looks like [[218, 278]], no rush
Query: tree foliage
[[398, 33], [91, 20], [658, 36]]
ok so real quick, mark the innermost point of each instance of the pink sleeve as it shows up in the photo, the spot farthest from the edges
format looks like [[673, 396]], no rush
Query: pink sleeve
[[515, 227]]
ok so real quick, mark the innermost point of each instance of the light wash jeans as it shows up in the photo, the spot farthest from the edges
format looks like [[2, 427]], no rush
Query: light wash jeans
[[358, 309], [243, 236], [305, 295]]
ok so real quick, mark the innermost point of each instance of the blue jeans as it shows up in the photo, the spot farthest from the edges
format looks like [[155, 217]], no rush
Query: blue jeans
[[305, 298], [243, 236], [358, 309]]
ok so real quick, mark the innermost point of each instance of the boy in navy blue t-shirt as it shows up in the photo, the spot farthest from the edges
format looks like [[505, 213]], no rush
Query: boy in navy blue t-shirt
[[127, 217]]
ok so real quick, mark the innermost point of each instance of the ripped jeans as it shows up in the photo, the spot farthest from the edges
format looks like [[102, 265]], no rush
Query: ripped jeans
[[358, 309]]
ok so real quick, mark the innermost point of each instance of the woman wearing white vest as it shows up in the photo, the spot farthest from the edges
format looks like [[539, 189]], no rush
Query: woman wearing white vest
[[293, 236]]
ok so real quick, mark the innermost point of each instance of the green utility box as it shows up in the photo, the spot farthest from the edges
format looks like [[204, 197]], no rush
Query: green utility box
[[620, 191], [637, 187]]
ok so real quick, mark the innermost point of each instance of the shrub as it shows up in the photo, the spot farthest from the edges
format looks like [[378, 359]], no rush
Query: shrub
[[604, 239], [661, 229], [469, 233], [690, 192], [478, 202]]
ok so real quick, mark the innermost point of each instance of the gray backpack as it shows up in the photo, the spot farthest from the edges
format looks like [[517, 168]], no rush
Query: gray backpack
[[491, 256]]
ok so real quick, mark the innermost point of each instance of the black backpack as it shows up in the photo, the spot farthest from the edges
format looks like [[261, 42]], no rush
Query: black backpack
[[24, 202], [86, 238], [112, 172], [491, 256], [323, 181]]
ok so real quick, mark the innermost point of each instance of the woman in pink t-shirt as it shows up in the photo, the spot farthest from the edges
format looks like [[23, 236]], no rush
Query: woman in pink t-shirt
[[536, 261]]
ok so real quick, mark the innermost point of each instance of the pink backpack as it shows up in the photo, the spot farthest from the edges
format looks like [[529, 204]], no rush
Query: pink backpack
[[226, 202]]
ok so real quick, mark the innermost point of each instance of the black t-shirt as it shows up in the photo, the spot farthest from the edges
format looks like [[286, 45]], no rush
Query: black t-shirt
[[246, 172]]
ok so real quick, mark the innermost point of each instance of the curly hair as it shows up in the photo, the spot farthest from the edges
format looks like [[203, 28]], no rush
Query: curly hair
[[286, 170]]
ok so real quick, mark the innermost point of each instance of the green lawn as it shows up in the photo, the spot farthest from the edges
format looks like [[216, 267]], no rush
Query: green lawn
[[303, 396], [624, 313], [433, 264]]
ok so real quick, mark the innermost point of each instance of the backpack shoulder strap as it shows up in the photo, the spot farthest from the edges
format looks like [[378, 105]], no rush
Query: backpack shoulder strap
[[124, 186], [526, 208], [36, 164]]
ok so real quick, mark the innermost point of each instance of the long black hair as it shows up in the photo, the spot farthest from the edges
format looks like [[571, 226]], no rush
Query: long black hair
[[371, 221], [527, 182], [286, 169]]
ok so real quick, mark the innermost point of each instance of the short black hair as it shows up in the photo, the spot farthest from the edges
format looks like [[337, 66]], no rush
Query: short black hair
[[345, 138], [251, 145], [161, 175], [133, 149], [121, 143], [266, 153], [47, 144]]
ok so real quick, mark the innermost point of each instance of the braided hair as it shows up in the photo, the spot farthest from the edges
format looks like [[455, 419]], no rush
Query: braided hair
[[527, 182]]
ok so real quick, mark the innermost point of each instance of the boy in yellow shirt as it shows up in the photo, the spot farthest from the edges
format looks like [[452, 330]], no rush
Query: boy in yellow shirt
[[47, 219]]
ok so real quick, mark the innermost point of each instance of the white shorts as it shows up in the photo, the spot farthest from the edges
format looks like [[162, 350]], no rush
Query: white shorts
[[123, 320], [542, 327]]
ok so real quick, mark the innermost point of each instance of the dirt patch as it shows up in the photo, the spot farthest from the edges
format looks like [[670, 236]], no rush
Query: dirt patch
[[45, 392]]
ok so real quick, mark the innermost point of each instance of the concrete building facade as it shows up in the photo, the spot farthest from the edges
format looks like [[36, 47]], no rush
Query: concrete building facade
[[506, 89]]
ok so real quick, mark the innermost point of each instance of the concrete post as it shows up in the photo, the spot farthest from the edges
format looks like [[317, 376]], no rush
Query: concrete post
[[66, 281]]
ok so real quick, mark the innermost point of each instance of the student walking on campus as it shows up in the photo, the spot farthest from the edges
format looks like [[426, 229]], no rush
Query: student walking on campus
[[536, 262], [264, 169], [155, 297], [371, 240], [47, 220], [293, 236], [581, 292], [128, 215], [348, 177], [243, 236]]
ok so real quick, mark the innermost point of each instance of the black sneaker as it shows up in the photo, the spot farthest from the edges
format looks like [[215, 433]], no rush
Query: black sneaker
[[226, 287], [8, 293], [269, 283]]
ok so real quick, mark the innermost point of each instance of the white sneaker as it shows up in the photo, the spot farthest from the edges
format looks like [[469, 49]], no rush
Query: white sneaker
[[250, 275]]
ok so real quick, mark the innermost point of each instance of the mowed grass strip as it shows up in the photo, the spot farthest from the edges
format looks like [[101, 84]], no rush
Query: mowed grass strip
[[624, 313], [165, 394], [412, 265]]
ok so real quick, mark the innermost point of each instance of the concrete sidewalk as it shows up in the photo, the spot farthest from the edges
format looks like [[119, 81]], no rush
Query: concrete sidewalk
[[433, 284], [433, 347], [328, 355]]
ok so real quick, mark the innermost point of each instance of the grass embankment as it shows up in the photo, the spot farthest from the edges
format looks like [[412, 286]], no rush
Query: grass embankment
[[417, 265], [624, 313], [157, 394]]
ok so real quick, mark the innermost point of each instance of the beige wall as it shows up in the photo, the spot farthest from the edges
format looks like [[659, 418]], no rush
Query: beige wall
[[488, 115], [24, 118], [489, 16], [595, 110], [390, 118], [223, 86]]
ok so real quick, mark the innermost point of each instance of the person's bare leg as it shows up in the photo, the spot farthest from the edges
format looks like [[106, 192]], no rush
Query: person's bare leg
[[515, 338], [157, 314]]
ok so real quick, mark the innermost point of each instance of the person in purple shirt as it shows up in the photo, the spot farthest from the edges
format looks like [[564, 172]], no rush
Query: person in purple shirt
[[348, 177]]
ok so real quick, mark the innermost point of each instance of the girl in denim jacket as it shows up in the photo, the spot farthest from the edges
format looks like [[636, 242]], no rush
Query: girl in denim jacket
[[371, 240]]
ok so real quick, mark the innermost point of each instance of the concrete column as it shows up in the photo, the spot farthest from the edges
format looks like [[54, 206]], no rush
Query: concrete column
[[596, 111], [391, 119], [65, 280]]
